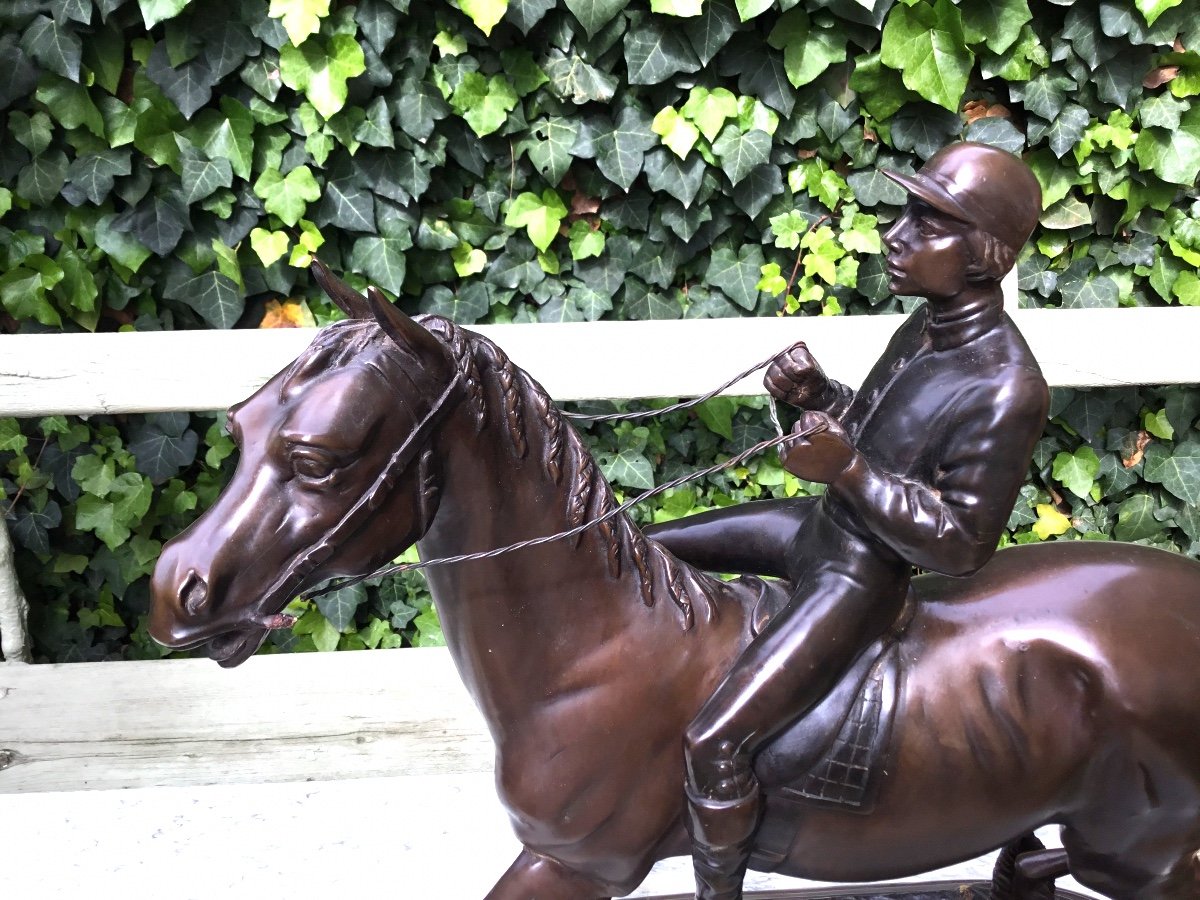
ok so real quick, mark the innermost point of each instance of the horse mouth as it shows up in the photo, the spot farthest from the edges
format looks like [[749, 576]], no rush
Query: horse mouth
[[235, 647]]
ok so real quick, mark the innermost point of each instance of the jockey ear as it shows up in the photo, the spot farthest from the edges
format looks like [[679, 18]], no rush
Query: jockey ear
[[348, 300], [408, 334]]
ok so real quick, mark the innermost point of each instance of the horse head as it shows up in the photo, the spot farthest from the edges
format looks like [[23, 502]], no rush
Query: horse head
[[319, 463]]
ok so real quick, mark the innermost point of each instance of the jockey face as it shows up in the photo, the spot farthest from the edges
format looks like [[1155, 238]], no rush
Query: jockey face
[[928, 253]]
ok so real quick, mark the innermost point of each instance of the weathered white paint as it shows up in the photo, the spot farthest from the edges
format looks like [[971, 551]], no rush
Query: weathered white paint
[[199, 370], [295, 717], [14, 640]]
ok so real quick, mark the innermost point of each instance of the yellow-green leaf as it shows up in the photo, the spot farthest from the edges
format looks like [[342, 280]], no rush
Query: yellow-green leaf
[[1050, 522]]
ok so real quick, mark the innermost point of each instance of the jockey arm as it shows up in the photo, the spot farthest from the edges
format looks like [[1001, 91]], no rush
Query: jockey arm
[[953, 524]]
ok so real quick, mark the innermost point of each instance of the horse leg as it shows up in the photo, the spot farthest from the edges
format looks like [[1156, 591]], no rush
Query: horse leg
[[533, 877], [1159, 866]]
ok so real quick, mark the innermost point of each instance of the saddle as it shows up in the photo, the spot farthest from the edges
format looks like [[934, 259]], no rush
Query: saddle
[[832, 757]]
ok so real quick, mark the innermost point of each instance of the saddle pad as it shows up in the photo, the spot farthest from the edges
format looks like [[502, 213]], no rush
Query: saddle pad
[[846, 773], [843, 776]]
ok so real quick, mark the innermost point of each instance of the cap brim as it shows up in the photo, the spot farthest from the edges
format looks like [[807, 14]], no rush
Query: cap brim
[[931, 192]]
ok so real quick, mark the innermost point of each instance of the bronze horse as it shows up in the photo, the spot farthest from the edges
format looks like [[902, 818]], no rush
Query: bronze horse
[[1059, 684]]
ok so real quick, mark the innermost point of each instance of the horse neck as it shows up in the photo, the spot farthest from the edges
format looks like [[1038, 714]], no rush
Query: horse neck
[[513, 469]]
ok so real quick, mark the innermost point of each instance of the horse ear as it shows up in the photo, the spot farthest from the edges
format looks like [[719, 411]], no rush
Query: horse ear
[[407, 333], [348, 300]]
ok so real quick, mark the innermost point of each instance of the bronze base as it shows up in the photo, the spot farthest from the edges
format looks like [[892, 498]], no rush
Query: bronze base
[[934, 890]]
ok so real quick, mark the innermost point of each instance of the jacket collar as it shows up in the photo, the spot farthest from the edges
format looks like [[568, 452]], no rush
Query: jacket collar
[[951, 328]]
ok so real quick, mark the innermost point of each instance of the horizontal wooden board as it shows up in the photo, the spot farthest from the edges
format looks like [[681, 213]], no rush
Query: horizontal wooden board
[[439, 837], [276, 718], [201, 370]]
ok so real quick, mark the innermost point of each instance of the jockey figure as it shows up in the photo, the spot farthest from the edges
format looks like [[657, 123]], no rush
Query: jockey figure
[[923, 466]]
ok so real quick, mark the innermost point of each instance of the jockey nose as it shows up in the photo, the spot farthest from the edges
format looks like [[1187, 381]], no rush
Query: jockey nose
[[193, 593]]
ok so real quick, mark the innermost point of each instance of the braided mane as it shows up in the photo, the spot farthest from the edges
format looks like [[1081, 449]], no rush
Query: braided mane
[[517, 401]]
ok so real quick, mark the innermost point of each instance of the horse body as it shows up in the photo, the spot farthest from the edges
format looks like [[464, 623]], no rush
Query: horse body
[[1029, 693]]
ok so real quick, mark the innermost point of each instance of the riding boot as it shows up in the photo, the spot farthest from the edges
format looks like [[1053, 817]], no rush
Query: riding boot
[[722, 833]]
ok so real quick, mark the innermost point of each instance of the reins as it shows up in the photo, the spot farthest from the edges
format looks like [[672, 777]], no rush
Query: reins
[[780, 437]]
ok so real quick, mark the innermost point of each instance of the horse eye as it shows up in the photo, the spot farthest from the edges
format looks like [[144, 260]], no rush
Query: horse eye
[[312, 466]]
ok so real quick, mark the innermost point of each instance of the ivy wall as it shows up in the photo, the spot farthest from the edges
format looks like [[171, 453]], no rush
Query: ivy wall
[[174, 163]]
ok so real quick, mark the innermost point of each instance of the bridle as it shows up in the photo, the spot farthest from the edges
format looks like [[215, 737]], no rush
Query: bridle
[[303, 564]]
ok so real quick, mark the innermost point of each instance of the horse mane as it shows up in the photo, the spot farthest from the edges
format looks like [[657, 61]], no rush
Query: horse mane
[[520, 402]]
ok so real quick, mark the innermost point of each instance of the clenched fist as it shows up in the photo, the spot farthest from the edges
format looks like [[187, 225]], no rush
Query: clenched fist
[[795, 378], [820, 451]]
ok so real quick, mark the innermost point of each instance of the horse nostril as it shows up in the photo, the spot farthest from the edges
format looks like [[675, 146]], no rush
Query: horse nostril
[[193, 593]]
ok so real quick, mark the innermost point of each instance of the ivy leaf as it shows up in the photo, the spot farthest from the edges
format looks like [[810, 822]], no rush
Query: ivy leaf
[[871, 187], [758, 188], [680, 178], [347, 204], [202, 176], [682, 8], [111, 517], [748, 9], [527, 13], [19, 76], [1070, 212], [418, 108], [595, 14], [1099, 292], [629, 467], [1066, 130], [676, 132], [486, 14], [739, 153], [539, 216], [997, 131], [321, 69], [382, 260], [1050, 522], [24, 296], [1077, 472], [92, 175], [228, 134], [654, 52], [269, 245], [32, 527], [1178, 471], [300, 17], [484, 102], [1046, 94], [1152, 9], [550, 146], [163, 444], [287, 196], [41, 180], [155, 11], [711, 30], [188, 86], [761, 73], [1135, 519], [339, 606], [926, 44], [924, 128], [464, 307], [620, 152], [226, 43], [573, 79], [159, 222], [213, 295], [57, 47], [737, 274], [1173, 156], [995, 23], [808, 50]]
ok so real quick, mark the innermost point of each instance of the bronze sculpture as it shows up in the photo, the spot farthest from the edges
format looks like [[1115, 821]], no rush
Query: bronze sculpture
[[923, 467], [1028, 693]]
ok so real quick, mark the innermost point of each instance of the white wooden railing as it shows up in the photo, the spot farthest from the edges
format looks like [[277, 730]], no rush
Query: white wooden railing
[[221, 763]]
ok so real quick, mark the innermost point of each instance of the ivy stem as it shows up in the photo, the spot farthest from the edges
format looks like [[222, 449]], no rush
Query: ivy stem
[[21, 490], [800, 253]]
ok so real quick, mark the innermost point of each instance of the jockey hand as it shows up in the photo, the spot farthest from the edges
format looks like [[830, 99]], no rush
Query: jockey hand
[[823, 455], [795, 378]]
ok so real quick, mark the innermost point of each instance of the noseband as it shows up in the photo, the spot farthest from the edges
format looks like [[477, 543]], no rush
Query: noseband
[[303, 565]]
